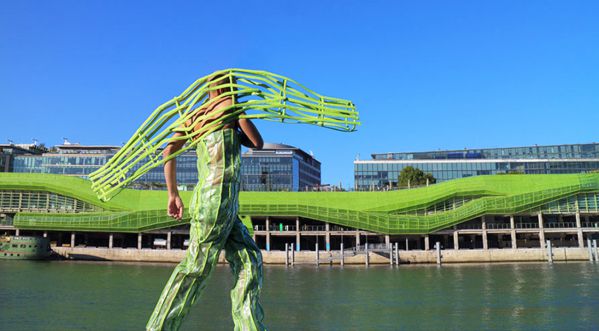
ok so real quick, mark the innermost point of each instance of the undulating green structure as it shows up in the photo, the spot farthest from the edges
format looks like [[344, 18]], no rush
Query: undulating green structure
[[411, 211]]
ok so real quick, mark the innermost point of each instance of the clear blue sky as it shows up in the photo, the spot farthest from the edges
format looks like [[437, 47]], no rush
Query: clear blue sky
[[425, 75]]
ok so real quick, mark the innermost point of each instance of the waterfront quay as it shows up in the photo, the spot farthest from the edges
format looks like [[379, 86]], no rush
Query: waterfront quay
[[491, 238], [477, 219]]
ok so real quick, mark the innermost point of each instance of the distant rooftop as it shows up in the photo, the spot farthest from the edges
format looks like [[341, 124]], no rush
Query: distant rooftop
[[280, 149], [590, 150]]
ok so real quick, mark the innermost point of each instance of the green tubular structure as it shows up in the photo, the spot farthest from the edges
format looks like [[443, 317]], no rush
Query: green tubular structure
[[255, 95], [382, 212]]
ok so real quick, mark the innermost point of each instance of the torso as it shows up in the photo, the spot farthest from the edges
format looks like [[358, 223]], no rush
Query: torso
[[201, 111]]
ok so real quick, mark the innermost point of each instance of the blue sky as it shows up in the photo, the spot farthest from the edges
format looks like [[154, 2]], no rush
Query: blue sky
[[425, 75]]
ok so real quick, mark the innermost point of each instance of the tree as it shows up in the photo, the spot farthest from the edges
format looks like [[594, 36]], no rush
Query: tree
[[410, 176]]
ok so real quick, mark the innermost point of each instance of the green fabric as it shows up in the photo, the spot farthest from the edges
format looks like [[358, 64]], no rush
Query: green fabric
[[215, 225]]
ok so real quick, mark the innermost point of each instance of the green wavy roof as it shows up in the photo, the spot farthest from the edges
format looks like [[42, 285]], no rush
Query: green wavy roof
[[141, 210]]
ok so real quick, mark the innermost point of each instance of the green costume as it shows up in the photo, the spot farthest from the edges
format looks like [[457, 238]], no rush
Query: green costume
[[214, 226]]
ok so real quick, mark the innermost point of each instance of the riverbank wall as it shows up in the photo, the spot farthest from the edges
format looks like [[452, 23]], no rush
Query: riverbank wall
[[562, 254]]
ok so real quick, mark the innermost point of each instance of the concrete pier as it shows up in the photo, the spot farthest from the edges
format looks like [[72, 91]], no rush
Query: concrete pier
[[513, 232], [267, 234], [327, 236], [579, 232], [484, 233], [456, 240], [541, 230]]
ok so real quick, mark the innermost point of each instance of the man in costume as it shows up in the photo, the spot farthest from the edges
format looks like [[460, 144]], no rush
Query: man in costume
[[211, 116]]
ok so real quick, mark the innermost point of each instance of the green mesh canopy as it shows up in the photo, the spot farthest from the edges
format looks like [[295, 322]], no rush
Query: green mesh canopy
[[390, 212]]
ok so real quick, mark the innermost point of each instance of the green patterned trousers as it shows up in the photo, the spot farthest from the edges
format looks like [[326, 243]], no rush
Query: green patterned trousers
[[214, 226]]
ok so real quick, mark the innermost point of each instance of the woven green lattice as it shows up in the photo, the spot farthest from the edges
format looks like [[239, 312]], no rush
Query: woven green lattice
[[255, 95]]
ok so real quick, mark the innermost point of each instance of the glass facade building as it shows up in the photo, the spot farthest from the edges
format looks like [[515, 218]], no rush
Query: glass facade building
[[8, 152], [382, 172], [275, 168], [278, 167], [78, 160]]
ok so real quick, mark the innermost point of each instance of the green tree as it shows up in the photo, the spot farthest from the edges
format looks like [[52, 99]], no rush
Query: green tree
[[410, 176]]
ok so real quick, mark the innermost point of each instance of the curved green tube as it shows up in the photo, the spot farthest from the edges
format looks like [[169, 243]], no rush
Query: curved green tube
[[256, 94]]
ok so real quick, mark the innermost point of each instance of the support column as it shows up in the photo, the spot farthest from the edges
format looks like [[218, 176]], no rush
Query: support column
[[45, 234], [357, 239], [387, 241], [456, 240], [513, 232], [327, 236], [169, 236], [297, 234], [342, 255], [139, 240], [267, 234], [72, 239], [541, 230], [110, 240], [579, 231], [426, 243], [17, 232], [407, 244], [484, 233]]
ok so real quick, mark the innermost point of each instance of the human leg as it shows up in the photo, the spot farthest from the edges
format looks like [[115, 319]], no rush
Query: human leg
[[188, 279], [245, 259]]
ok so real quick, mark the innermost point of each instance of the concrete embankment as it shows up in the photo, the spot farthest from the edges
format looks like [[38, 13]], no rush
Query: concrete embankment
[[334, 257]]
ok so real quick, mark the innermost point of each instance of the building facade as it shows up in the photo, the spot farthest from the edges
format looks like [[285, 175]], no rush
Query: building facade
[[278, 167], [8, 152], [519, 218], [275, 168], [382, 171]]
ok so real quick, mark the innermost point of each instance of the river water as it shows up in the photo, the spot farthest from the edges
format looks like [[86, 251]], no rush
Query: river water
[[66, 295]]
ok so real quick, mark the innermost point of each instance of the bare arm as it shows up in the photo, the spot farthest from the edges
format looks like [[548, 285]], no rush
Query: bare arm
[[250, 136], [175, 205]]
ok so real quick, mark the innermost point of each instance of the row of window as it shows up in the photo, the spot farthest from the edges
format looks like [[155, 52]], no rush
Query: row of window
[[438, 166], [530, 152]]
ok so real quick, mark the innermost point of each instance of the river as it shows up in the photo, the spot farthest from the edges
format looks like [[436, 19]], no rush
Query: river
[[67, 295]]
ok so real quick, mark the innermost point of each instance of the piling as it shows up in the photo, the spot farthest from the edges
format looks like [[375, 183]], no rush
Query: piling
[[366, 259], [317, 257], [438, 249], [286, 254], [390, 247], [590, 249], [396, 253], [342, 255], [595, 250], [292, 254], [549, 251]]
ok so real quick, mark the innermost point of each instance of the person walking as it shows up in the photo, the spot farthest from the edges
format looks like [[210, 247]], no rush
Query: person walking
[[215, 224]]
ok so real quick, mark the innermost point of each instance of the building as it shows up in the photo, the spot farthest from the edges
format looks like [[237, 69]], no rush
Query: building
[[8, 152], [382, 171], [275, 168], [487, 218], [278, 167]]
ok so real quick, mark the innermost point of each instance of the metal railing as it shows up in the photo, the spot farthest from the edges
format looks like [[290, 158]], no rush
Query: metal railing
[[498, 226], [533, 225], [555, 225]]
